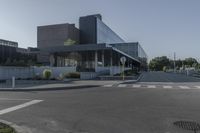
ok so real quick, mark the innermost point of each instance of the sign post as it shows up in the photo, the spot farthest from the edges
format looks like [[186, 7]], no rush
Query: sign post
[[123, 61], [13, 82]]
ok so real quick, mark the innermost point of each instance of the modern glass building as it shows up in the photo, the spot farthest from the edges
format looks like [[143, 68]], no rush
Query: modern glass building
[[96, 48]]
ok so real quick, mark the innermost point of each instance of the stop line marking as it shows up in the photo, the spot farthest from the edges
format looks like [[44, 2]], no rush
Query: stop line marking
[[20, 106]]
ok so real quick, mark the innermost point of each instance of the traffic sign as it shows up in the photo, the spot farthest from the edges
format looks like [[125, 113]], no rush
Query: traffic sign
[[123, 60]]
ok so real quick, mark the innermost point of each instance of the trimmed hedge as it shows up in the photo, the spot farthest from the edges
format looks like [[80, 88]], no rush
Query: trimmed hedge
[[47, 73]]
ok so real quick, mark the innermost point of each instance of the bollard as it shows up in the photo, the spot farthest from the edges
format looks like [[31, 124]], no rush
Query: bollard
[[13, 82]]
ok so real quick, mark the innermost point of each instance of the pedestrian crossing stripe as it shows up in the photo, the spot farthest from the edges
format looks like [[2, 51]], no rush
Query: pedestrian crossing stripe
[[136, 86], [151, 86], [197, 87], [184, 87], [108, 85], [167, 87], [122, 85]]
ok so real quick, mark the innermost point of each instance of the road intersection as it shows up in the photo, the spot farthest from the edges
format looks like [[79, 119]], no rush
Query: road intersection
[[112, 108]]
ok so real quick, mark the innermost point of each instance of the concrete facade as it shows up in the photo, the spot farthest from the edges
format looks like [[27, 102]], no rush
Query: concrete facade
[[55, 35]]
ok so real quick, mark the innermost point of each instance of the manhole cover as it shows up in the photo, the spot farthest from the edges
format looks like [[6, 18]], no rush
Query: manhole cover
[[188, 125]]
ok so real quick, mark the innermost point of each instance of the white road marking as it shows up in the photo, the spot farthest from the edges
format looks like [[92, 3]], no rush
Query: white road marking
[[184, 87], [11, 109], [167, 87], [122, 85], [197, 87], [108, 85], [151, 86], [136, 86]]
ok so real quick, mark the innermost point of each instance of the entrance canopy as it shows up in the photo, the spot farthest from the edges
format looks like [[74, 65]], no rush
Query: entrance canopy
[[87, 47]]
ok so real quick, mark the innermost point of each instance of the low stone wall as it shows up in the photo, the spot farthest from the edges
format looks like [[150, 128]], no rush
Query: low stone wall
[[56, 71], [116, 70], [19, 72], [88, 75], [6, 73]]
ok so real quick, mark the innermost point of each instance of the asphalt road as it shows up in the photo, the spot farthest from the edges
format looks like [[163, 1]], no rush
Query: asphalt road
[[104, 109], [166, 77]]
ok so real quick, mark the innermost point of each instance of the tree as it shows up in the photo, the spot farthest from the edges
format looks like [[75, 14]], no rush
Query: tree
[[190, 61], [158, 63]]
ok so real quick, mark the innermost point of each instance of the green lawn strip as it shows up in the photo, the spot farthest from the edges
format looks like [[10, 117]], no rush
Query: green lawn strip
[[6, 128]]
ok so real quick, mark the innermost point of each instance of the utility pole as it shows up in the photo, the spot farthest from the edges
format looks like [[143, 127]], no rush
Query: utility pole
[[174, 62]]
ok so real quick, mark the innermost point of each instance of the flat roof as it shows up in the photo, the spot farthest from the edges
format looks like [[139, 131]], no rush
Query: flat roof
[[8, 41]]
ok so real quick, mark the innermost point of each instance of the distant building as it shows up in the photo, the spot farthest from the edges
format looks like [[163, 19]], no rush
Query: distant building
[[8, 43], [94, 47], [11, 54]]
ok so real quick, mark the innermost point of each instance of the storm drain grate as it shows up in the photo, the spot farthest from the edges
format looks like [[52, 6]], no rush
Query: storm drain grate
[[188, 125]]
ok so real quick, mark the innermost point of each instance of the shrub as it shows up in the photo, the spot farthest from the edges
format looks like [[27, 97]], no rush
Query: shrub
[[47, 73], [164, 69]]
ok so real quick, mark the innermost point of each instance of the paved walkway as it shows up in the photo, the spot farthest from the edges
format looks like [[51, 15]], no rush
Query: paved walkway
[[54, 86]]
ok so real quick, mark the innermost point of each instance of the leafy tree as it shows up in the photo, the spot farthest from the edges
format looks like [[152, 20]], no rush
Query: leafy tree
[[158, 63], [190, 61]]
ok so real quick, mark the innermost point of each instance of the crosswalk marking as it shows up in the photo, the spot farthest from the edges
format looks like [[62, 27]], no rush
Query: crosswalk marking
[[122, 85], [184, 87], [108, 85], [136, 86], [151, 86], [167, 87], [197, 87]]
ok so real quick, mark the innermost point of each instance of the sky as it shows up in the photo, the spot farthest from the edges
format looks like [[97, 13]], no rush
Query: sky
[[162, 27]]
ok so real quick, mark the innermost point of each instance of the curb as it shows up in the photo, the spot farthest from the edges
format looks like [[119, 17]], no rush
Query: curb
[[51, 89], [17, 128]]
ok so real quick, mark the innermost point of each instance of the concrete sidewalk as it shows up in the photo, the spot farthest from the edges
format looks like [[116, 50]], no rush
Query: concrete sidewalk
[[60, 86]]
